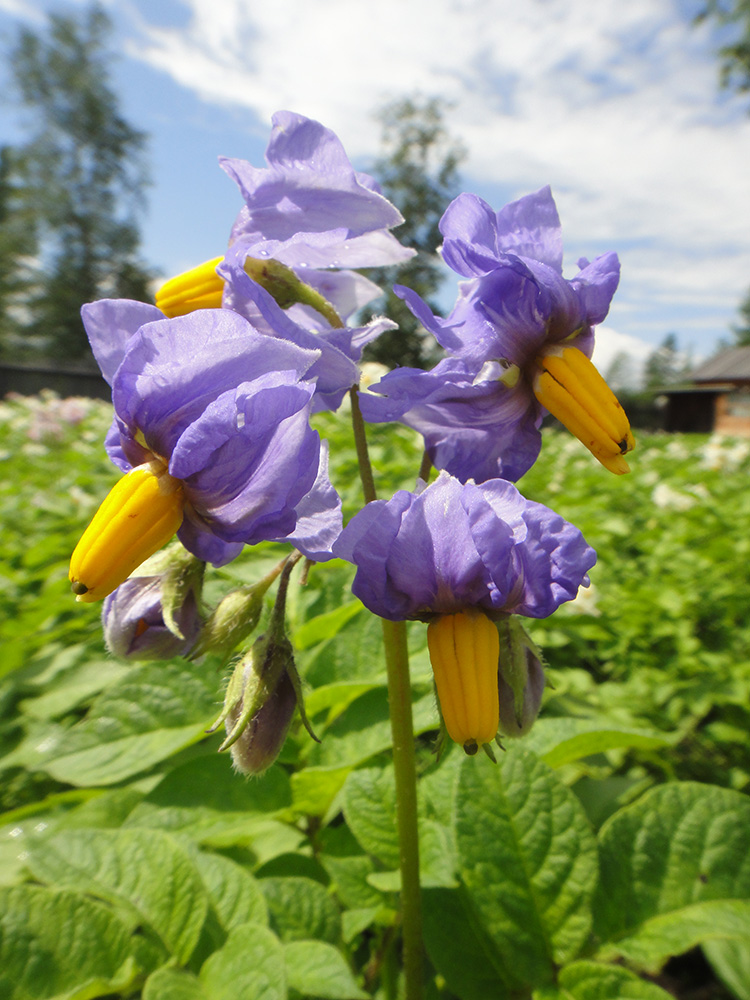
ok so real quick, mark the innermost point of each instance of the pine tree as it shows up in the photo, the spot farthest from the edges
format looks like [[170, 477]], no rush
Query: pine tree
[[81, 174], [419, 174]]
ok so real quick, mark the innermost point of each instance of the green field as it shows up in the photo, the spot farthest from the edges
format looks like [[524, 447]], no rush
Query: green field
[[135, 862]]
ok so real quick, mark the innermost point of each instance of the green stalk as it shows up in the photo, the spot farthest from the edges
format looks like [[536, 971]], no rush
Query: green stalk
[[404, 759], [360, 442], [404, 764]]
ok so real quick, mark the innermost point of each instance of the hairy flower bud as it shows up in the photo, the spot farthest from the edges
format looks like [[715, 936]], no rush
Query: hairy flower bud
[[261, 740], [134, 624], [233, 619], [520, 679], [259, 704]]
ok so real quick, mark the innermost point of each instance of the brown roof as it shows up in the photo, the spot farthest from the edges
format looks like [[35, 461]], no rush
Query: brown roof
[[730, 365]]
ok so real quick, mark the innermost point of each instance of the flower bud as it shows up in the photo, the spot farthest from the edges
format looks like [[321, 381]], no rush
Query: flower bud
[[233, 619], [260, 742], [520, 679], [259, 704], [134, 622]]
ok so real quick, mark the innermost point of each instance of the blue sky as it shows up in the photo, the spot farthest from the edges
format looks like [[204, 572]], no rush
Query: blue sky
[[616, 105]]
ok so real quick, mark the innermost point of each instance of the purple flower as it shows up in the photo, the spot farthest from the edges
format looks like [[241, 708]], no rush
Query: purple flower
[[513, 313], [310, 211], [309, 207], [456, 547], [212, 422], [339, 347], [133, 621], [464, 558]]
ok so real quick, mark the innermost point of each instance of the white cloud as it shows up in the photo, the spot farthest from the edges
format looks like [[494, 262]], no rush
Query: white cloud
[[611, 343], [614, 104]]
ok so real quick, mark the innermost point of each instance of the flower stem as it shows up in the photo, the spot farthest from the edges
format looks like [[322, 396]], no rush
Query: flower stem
[[404, 763], [424, 468], [360, 442], [404, 760]]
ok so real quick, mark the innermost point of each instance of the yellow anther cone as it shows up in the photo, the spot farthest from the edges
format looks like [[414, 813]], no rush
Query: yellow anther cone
[[464, 650], [139, 515], [571, 388], [199, 288]]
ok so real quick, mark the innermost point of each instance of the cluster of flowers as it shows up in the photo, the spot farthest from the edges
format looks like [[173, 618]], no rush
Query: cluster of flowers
[[213, 388]]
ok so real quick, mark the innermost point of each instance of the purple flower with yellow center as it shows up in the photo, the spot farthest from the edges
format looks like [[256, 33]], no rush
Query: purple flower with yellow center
[[212, 430], [518, 344], [308, 219], [462, 557]]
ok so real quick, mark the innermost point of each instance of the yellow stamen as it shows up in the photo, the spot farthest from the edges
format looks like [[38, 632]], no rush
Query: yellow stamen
[[571, 388], [464, 650], [139, 515], [199, 288]]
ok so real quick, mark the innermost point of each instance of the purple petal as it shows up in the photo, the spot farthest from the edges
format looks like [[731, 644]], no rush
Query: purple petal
[[474, 431], [469, 228], [250, 459], [455, 547], [530, 227], [109, 324], [319, 520], [308, 186], [596, 283], [174, 368], [334, 371]]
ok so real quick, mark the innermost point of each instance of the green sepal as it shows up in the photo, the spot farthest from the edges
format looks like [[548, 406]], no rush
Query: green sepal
[[283, 285]]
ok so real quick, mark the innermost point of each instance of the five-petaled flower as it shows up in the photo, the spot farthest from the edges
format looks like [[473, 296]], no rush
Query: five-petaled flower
[[212, 430], [460, 556], [310, 214], [517, 343]]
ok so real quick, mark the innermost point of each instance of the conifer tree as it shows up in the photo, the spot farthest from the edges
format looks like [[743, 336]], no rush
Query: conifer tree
[[81, 175], [419, 174]]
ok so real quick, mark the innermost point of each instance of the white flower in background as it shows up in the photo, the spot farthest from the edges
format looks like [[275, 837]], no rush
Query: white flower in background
[[721, 452], [667, 498], [586, 602]]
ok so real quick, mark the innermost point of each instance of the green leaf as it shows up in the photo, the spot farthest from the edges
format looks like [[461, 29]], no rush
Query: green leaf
[[591, 981], [680, 930], [459, 947], [208, 801], [325, 626], [173, 984], [527, 858], [56, 943], [150, 715], [369, 803], [561, 741], [235, 894], [145, 873], [301, 908], [250, 966], [74, 688], [349, 877], [677, 846], [316, 969], [730, 961], [314, 789]]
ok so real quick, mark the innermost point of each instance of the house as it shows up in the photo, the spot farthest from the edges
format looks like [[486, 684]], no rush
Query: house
[[715, 397]]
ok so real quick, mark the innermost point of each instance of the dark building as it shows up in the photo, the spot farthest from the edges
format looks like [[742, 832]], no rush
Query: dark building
[[715, 397]]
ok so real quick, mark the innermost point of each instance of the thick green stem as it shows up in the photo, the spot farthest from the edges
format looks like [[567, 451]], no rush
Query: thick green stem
[[404, 763]]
